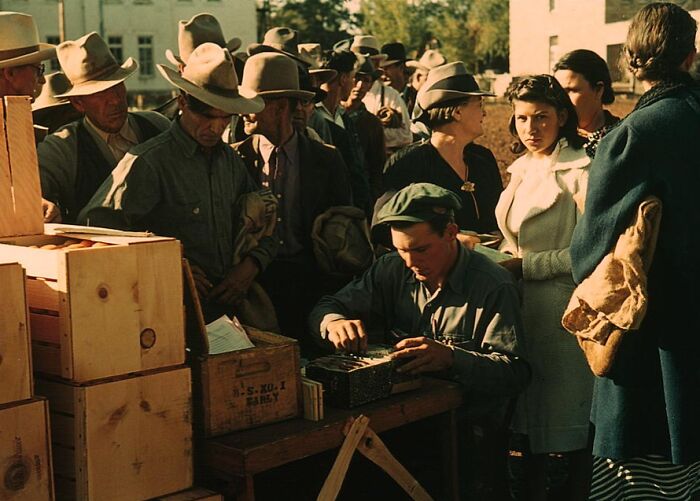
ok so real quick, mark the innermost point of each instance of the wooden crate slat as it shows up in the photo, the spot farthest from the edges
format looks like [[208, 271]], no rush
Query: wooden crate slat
[[15, 351], [24, 167]]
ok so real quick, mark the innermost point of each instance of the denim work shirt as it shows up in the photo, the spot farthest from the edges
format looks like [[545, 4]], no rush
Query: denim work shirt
[[171, 186], [477, 311]]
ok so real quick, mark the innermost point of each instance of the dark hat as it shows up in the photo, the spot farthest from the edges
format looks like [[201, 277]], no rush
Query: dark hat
[[396, 53], [366, 67], [418, 203], [448, 82]]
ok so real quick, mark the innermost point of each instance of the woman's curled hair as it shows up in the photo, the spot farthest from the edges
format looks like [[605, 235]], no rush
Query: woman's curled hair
[[544, 89]]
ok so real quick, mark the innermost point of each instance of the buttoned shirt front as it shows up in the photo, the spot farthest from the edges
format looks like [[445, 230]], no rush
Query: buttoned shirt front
[[173, 187], [286, 185]]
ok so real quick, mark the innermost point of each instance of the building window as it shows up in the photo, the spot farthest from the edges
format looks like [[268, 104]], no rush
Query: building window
[[116, 46], [145, 55], [53, 63], [553, 50]]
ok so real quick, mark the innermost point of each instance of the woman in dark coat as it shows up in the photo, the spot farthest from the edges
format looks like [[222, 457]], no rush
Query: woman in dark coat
[[646, 411], [453, 104]]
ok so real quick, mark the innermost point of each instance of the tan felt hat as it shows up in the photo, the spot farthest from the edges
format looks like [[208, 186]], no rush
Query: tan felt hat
[[271, 74], [283, 40], [90, 66], [368, 46], [314, 53], [210, 77], [56, 83], [201, 28], [430, 59], [446, 83], [19, 41]]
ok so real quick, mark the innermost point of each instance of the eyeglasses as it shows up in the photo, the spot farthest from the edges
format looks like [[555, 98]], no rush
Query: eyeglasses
[[40, 69]]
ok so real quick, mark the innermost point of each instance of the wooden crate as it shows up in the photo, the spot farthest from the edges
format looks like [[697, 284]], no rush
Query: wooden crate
[[15, 357], [102, 311], [25, 451], [121, 439], [193, 494], [247, 388]]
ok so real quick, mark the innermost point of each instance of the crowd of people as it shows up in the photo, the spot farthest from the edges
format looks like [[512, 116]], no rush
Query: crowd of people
[[336, 195]]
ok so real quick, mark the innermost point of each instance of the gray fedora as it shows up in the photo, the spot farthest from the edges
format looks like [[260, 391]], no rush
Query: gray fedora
[[446, 83], [282, 40], [271, 74], [199, 29]]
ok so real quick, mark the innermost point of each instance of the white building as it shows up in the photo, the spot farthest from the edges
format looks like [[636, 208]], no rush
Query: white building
[[541, 31], [142, 29]]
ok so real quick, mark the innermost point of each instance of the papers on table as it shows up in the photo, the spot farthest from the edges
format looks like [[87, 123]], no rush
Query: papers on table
[[227, 335]]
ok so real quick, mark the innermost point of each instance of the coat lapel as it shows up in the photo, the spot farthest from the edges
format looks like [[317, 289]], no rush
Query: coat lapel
[[310, 180]]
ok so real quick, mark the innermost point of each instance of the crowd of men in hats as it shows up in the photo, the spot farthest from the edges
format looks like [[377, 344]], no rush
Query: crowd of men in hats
[[268, 165]]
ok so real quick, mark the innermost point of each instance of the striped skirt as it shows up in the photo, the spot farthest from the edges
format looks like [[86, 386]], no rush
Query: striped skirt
[[645, 479]]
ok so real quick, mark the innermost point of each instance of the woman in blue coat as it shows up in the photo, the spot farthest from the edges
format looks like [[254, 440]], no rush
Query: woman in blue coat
[[646, 411]]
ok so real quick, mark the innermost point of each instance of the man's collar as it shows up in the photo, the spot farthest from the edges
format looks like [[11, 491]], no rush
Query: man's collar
[[456, 278], [186, 142], [289, 147], [126, 131]]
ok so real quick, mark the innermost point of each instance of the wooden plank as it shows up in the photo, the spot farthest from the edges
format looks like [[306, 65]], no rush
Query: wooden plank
[[137, 435], [37, 262], [193, 494], [42, 294], [104, 314], [62, 432], [160, 303], [60, 395], [65, 488], [24, 167], [15, 354], [25, 452], [63, 460], [44, 328], [46, 357], [7, 208]]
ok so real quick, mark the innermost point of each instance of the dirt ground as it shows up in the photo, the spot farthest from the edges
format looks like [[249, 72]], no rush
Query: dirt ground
[[498, 139]]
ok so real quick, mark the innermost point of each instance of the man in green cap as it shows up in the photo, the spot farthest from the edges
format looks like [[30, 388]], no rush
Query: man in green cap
[[450, 311]]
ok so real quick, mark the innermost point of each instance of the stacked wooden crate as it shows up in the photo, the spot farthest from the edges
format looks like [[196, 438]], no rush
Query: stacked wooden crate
[[107, 337], [25, 449]]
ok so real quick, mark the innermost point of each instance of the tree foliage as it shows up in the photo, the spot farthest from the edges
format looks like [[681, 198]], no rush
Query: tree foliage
[[322, 21]]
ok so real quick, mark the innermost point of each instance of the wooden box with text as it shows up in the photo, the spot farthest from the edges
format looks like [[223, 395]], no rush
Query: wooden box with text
[[25, 451], [247, 388], [100, 307], [15, 354], [121, 439]]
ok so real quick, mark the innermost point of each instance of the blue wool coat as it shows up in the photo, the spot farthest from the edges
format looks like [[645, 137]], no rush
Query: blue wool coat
[[650, 402]]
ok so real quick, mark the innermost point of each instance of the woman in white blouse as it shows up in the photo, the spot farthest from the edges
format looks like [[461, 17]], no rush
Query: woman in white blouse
[[537, 213]]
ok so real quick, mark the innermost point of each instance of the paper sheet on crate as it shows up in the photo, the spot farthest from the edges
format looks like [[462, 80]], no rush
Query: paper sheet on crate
[[226, 334]]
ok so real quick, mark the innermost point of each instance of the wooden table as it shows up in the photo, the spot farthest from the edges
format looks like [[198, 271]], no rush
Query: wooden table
[[237, 457]]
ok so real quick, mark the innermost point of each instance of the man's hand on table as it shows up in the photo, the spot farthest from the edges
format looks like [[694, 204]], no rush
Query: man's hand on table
[[52, 214], [347, 335], [234, 286], [428, 355]]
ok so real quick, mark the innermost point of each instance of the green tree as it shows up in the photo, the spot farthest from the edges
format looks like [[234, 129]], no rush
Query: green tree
[[322, 21]]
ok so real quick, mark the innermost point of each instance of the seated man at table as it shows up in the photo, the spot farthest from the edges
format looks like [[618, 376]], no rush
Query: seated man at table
[[458, 313]]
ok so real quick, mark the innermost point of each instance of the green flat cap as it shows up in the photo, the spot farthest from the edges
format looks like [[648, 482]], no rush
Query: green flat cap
[[418, 203]]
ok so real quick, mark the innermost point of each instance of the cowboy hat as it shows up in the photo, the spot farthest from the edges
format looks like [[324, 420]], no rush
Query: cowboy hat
[[313, 53], [201, 28], [448, 82], [56, 83], [395, 52], [282, 40], [19, 41], [368, 46], [273, 75], [430, 59], [366, 67], [90, 66], [209, 77]]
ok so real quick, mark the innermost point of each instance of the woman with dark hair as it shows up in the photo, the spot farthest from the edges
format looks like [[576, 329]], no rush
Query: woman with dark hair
[[586, 78], [452, 101], [646, 410], [537, 213]]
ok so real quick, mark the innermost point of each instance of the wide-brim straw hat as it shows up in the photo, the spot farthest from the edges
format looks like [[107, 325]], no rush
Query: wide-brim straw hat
[[90, 66], [56, 84], [395, 53], [314, 53], [430, 59], [209, 76], [282, 40], [19, 41], [201, 28], [446, 83], [271, 74], [368, 46]]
